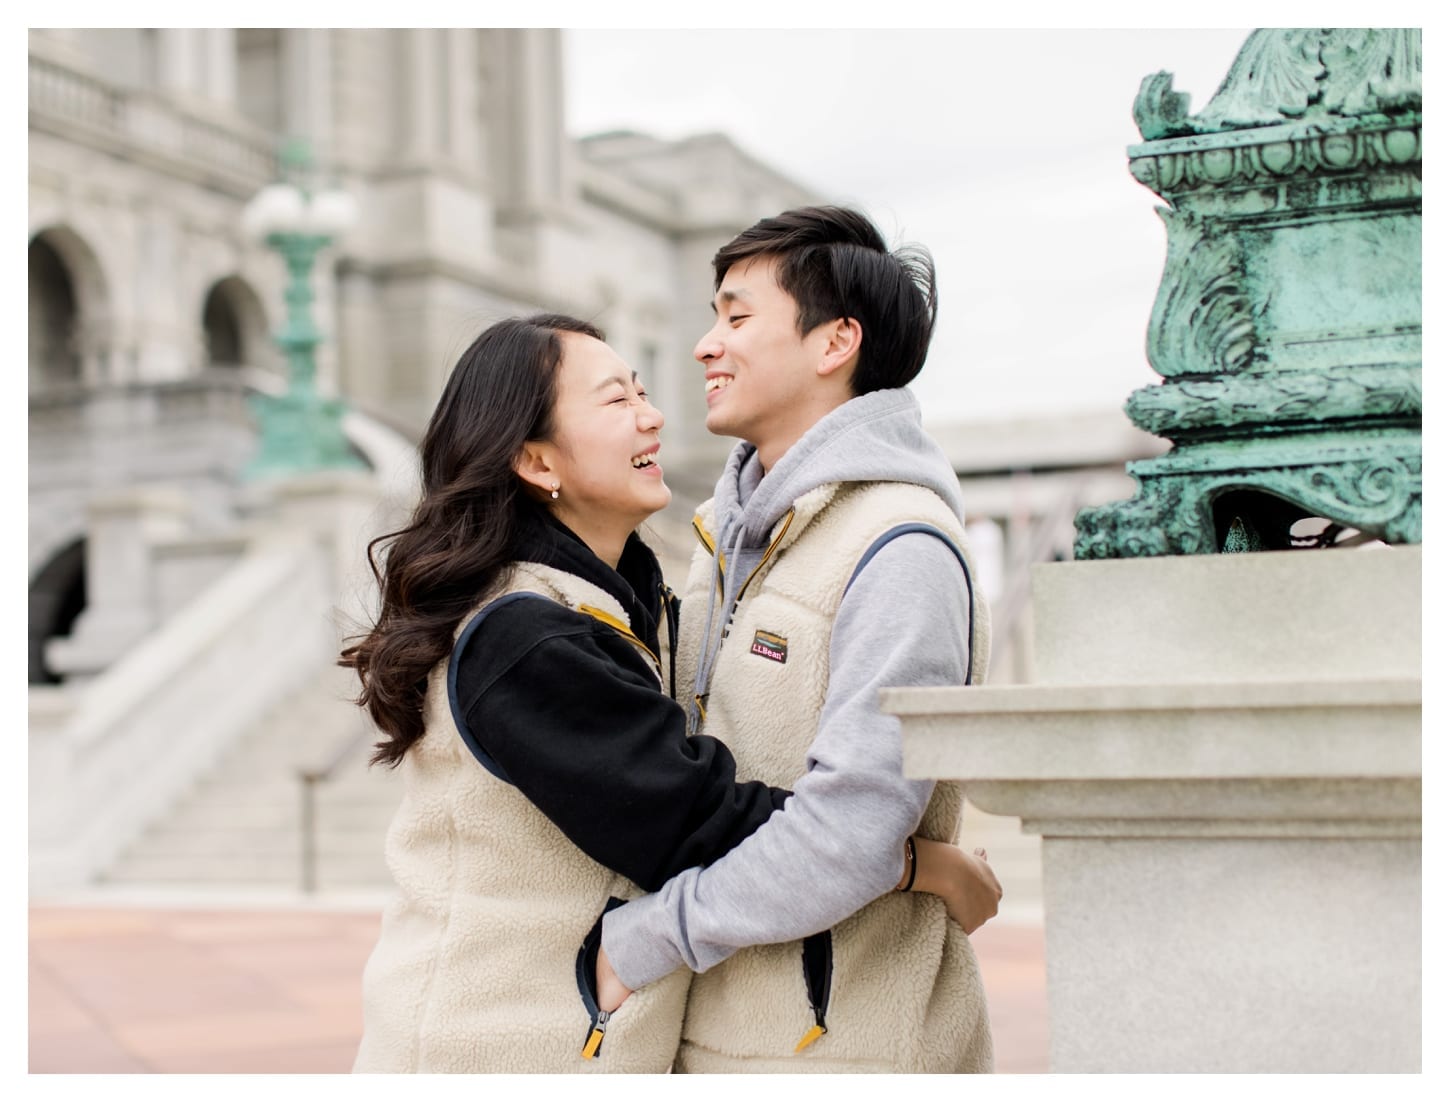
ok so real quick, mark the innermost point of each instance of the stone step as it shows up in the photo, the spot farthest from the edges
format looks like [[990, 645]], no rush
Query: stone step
[[283, 799], [240, 823], [278, 872], [222, 845]]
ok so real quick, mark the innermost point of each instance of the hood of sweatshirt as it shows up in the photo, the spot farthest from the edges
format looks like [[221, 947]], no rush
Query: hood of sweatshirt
[[877, 437]]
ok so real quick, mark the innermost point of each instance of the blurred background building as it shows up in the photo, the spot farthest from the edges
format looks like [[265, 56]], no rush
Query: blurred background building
[[186, 717]]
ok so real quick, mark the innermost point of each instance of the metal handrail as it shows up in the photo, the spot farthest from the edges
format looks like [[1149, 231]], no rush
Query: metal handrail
[[309, 779]]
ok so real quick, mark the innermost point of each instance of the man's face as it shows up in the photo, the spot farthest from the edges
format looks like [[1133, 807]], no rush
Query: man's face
[[761, 382]]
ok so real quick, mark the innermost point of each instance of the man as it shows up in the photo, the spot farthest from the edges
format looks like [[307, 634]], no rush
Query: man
[[832, 564]]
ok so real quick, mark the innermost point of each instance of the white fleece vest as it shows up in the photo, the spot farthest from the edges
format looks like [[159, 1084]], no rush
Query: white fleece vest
[[474, 970], [906, 994]]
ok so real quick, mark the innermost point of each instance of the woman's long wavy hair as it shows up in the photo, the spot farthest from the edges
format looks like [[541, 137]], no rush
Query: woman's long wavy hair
[[466, 525]]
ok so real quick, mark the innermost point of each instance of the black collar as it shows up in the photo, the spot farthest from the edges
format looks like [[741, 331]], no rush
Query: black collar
[[544, 539]]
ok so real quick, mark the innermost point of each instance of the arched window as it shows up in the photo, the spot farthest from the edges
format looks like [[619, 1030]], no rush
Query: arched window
[[223, 331], [57, 597], [235, 326], [54, 357]]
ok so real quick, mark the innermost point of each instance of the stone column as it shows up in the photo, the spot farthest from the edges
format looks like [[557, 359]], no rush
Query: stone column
[[465, 137], [425, 114], [219, 73], [1222, 756]]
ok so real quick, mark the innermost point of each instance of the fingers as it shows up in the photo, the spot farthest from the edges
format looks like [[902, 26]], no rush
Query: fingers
[[996, 884]]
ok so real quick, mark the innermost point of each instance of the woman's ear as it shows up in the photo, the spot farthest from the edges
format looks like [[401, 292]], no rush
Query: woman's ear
[[534, 464], [843, 347]]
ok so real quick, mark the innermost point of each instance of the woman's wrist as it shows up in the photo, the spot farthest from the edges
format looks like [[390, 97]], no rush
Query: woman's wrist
[[939, 867], [908, 874]]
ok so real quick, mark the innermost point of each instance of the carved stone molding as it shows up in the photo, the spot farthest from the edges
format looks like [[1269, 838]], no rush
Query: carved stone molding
[[1202, 321], [1287, 323], [1178, 408], [1279, 74], [1176, 167], [1172, 513], [1167, 516]]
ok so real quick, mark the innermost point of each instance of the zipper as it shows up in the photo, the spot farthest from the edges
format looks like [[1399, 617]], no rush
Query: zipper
[[584, 976], [729, 613], [817, 962], [670, 613], [784, 528], [709, 545], [620, 626]]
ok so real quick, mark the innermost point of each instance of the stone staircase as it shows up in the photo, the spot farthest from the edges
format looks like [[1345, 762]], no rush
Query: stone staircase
[[240, 827]]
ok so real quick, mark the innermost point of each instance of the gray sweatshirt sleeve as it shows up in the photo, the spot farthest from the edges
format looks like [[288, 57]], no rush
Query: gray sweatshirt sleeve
[[837, 843]]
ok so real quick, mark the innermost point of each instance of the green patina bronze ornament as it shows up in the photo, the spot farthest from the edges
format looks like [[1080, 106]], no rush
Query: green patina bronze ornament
[[1287, 324], [300, 430]]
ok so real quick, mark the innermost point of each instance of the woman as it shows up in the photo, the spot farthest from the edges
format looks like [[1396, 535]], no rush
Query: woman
[[514, 670]]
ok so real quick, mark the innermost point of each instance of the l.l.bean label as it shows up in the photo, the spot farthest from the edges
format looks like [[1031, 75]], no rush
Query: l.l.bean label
[[769, 645]]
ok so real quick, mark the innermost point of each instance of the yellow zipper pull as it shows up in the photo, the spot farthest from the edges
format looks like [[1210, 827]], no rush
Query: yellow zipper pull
[[814, 1034], [596, 1036], [591, 1046]]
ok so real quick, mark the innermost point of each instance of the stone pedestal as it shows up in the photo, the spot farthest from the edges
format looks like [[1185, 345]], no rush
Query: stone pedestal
[[343, 510], [123, 527], [1222, 756]]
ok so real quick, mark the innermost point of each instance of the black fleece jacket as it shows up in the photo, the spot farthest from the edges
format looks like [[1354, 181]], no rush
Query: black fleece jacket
[[573, 713]]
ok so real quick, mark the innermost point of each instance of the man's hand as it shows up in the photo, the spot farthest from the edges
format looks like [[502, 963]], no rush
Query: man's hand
[[611, 992], [965, 882]]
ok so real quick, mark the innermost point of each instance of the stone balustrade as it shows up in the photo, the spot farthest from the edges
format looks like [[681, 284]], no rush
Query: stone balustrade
[[231, 152]]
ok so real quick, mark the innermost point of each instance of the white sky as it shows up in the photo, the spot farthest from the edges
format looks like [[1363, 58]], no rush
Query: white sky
[[1001, 151]]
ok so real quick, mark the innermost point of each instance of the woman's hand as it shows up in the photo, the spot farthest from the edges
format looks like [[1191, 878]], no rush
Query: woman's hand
[[611, 991], [965, 882]]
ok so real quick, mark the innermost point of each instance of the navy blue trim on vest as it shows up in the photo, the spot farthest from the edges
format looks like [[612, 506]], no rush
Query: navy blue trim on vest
[[485, 759], [916, 526]]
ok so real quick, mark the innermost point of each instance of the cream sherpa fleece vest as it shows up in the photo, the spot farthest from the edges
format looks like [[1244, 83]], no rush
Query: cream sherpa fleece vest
[[906, 994], [475, 968]]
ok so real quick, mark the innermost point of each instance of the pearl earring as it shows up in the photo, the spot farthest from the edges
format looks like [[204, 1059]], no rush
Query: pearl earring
[[555, 494]]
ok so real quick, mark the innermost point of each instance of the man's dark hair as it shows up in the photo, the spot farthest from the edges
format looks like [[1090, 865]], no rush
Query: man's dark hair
[[835, 264]]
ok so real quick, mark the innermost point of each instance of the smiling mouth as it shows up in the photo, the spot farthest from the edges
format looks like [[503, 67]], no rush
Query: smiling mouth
[[719, 382], [641, 462]]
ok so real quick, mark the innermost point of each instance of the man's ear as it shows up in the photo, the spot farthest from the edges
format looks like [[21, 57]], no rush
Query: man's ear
[[534, 464], [843, 347]]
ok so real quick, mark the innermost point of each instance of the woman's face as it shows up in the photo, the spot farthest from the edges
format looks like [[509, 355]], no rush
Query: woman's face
[[604, 448]]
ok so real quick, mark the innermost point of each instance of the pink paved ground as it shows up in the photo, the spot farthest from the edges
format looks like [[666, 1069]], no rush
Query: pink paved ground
[[125, 989]]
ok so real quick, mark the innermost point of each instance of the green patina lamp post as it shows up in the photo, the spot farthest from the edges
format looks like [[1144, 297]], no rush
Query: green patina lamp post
[[1287, 325], [300, 430]]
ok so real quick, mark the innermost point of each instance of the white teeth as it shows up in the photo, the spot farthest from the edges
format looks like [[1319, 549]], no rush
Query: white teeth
[[719, 382], [642, 461]]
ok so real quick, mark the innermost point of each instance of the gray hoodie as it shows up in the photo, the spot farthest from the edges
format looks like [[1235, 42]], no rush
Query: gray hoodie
[[837, 843]]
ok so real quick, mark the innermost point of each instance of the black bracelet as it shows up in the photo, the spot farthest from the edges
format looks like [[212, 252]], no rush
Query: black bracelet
[[910, 860]]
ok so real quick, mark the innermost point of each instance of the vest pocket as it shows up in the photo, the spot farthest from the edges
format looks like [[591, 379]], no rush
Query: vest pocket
[[584, 975], [818, 963]]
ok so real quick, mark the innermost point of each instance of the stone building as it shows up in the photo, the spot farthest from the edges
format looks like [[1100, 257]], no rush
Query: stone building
[[150, 311], [151, 314], [156, 571]]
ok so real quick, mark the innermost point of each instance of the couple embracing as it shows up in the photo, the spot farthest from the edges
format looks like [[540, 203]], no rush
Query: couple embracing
[[641, 833]]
